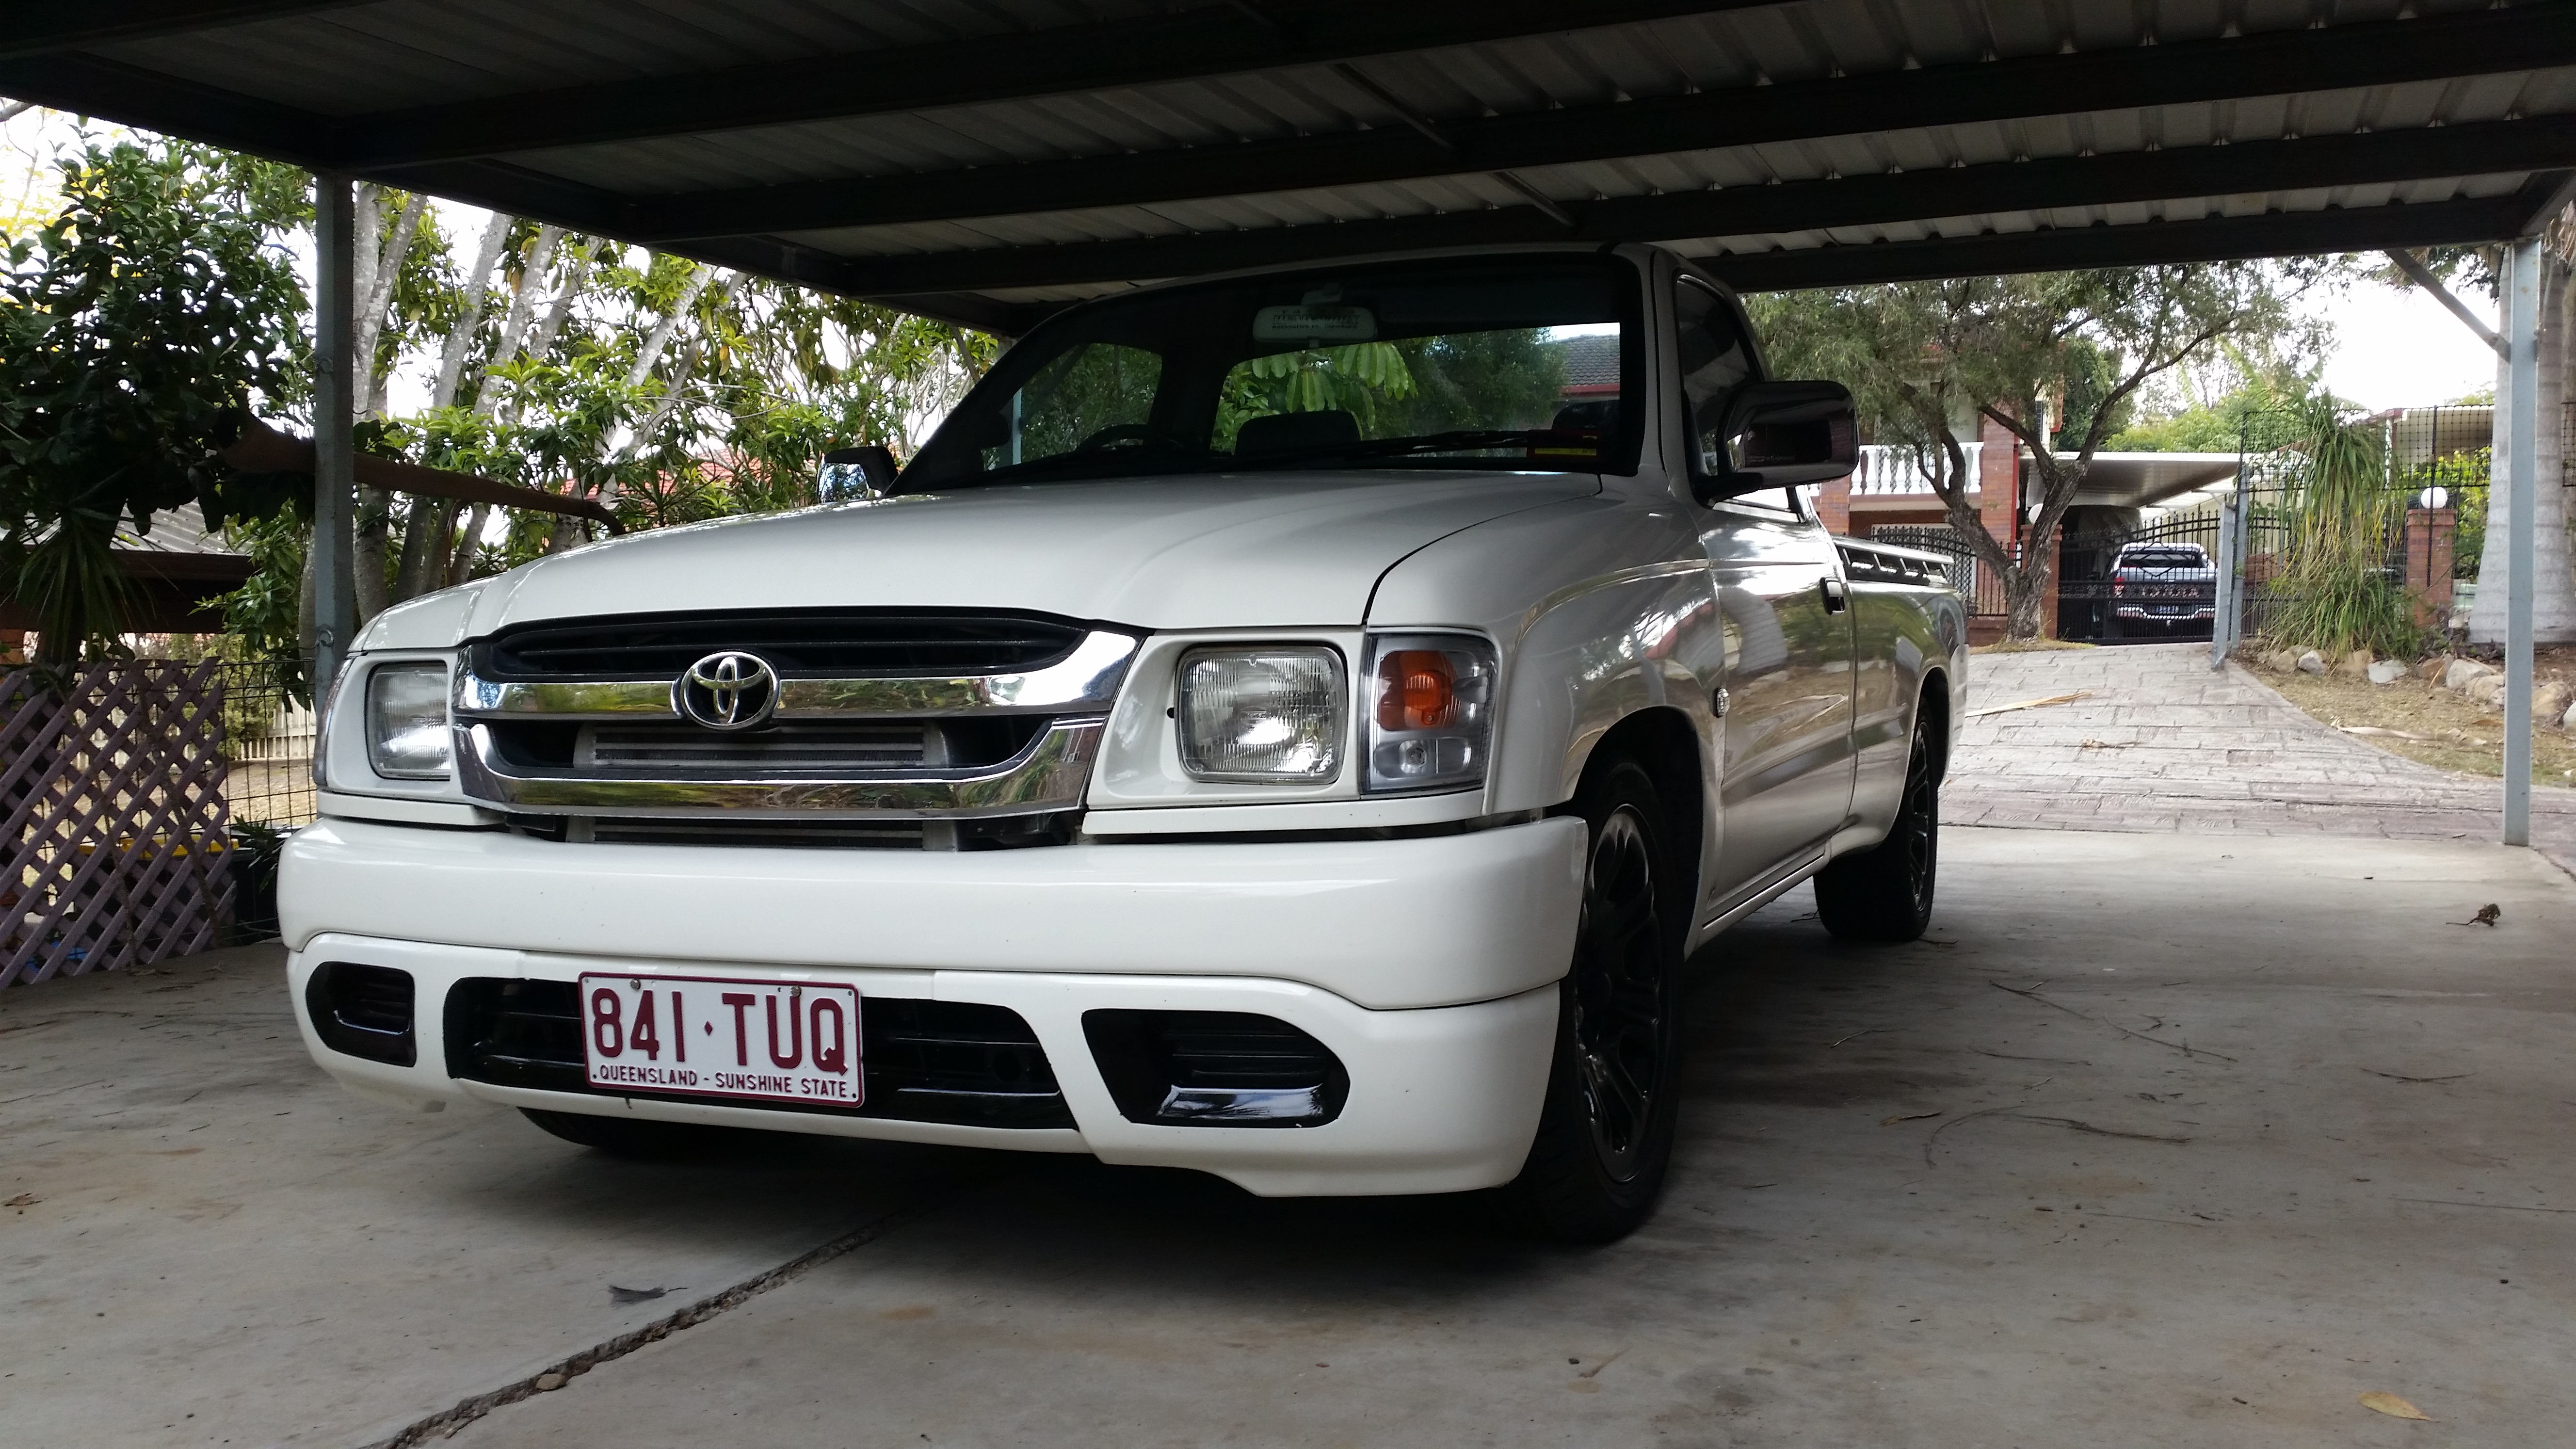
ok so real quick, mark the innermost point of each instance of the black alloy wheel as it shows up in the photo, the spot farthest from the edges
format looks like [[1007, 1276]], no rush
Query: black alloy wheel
[[1605, 1132], [1618, 996], [1884, 893]]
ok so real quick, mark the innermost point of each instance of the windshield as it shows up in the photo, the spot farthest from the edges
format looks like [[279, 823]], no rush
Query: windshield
[[1516, 362]]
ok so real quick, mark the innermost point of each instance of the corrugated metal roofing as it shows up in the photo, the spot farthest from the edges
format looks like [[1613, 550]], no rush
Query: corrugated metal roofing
[[1010, 154]]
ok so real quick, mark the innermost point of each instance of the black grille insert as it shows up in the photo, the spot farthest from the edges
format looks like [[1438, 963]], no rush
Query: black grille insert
[[1215, 1069], [769, 834], [365, 1011], [922, 1061], [845, 644]]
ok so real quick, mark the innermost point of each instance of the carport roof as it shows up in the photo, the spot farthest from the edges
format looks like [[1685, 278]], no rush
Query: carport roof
[[988, 162], [2135, 480]]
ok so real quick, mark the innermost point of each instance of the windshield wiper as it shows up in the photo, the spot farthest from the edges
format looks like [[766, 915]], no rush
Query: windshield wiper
[[1398, 447]]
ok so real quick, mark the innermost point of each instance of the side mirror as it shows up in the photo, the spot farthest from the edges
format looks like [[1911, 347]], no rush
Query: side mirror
[[1784, 435], [850, 474]]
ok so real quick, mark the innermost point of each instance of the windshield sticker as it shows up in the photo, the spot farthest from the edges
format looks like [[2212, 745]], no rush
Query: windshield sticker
[[1314, 324]]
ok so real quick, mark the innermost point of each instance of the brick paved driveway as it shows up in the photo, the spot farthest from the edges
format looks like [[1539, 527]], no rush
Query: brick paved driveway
[[2164, 744]]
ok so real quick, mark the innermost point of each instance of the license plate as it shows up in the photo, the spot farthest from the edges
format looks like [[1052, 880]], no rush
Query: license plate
[[707, 1036]]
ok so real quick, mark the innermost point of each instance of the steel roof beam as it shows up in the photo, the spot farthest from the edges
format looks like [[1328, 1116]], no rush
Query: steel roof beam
[[2127, 177], [2338, 57], [1182, 45], [38, 29], [2216, 239]]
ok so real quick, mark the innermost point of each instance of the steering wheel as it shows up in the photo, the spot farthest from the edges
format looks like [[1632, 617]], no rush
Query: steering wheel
[[1116, 433]]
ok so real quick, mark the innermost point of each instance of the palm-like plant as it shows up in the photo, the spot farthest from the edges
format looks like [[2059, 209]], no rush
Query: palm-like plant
[[2334, 588]]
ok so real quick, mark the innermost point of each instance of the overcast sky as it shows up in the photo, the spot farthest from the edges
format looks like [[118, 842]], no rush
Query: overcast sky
[[2392, 348]]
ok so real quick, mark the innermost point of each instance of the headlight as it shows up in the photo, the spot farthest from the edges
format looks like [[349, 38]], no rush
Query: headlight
[[1271, 713], [407, 721], [1431, 711]]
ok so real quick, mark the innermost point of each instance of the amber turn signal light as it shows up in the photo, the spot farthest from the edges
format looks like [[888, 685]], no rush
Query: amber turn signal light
[[1417, 690]]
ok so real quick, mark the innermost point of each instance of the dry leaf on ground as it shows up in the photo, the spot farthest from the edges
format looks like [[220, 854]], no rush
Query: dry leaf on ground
[[2031, 703], [2394, 1407], [24, 1199]]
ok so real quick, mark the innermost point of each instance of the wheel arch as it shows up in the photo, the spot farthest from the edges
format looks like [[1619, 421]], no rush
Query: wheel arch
[[1664, 741], [1932, 714]]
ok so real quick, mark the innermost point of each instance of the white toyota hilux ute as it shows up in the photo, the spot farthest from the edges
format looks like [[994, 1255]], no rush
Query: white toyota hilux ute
[[1292, 725]]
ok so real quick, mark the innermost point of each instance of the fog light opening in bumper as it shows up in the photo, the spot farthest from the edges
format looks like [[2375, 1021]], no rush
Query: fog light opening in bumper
[[1215, 1069], [363, 1011]]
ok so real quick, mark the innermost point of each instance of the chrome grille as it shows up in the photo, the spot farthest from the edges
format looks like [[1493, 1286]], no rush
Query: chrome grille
[[794, 746], [871, 722]]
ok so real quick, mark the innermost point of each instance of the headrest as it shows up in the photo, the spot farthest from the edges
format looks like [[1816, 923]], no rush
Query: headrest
[[1598, 415], [1282, 431]]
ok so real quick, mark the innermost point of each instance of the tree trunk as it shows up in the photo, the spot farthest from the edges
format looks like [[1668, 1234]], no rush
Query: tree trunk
[[2553, 598], [468, 543], [469, 319], [370, 535]]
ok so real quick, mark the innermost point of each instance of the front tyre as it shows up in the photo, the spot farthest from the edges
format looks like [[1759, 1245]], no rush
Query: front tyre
[[1884, 893], [1605, 1133]]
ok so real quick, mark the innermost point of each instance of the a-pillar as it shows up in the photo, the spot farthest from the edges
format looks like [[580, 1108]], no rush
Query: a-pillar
[[335, 596]]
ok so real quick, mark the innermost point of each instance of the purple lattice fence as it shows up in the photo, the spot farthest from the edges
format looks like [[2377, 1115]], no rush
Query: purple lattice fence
[[113, 794]]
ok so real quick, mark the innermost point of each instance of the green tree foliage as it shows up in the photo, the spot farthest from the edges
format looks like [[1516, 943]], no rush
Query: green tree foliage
[[1471, 380], [1361, 379], [135, 329]]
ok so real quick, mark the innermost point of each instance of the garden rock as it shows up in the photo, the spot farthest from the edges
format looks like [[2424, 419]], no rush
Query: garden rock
[[2462, 672], [2550, 701], [2387, 671], [2281, 661], [2432, 669], [2487, 688], [2312, 663], [2567, 721]]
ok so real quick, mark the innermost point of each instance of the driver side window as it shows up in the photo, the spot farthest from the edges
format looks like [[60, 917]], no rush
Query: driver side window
[[1075, 398]]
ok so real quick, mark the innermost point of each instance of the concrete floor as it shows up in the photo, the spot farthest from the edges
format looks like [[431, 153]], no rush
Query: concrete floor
[[2270, 1134]]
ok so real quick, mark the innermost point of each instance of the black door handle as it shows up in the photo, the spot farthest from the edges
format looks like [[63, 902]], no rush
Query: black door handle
[[1837, 598]]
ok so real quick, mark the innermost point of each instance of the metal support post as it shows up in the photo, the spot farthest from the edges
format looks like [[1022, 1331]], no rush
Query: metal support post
[[335, 595], [2522, 449], [2222, 624]]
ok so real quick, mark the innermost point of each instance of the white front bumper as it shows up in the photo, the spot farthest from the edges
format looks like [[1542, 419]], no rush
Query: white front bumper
[[1427, 966]]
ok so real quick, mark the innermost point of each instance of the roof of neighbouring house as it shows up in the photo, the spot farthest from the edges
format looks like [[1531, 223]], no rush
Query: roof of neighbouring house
[[1591, 363]]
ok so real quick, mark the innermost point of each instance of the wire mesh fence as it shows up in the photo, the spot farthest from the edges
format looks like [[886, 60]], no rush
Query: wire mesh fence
[[267, 746]]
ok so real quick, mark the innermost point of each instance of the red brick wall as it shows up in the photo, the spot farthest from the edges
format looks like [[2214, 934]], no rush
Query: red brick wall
[[2432, 536], [1833, 505]]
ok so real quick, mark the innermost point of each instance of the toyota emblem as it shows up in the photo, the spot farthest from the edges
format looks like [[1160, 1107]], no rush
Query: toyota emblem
[[727, 691]]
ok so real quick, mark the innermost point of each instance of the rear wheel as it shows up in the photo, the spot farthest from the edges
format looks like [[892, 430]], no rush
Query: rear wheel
[[1605, 1134], [1884, 893], [639, 1137]]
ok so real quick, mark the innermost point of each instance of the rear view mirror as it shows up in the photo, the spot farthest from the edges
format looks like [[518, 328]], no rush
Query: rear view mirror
[[1783, 435], [850, 474]]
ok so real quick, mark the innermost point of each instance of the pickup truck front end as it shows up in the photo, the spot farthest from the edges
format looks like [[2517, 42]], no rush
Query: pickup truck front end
[[1292, 726]]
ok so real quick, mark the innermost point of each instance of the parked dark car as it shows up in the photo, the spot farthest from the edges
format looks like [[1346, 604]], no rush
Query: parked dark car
[[2162, 590]]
